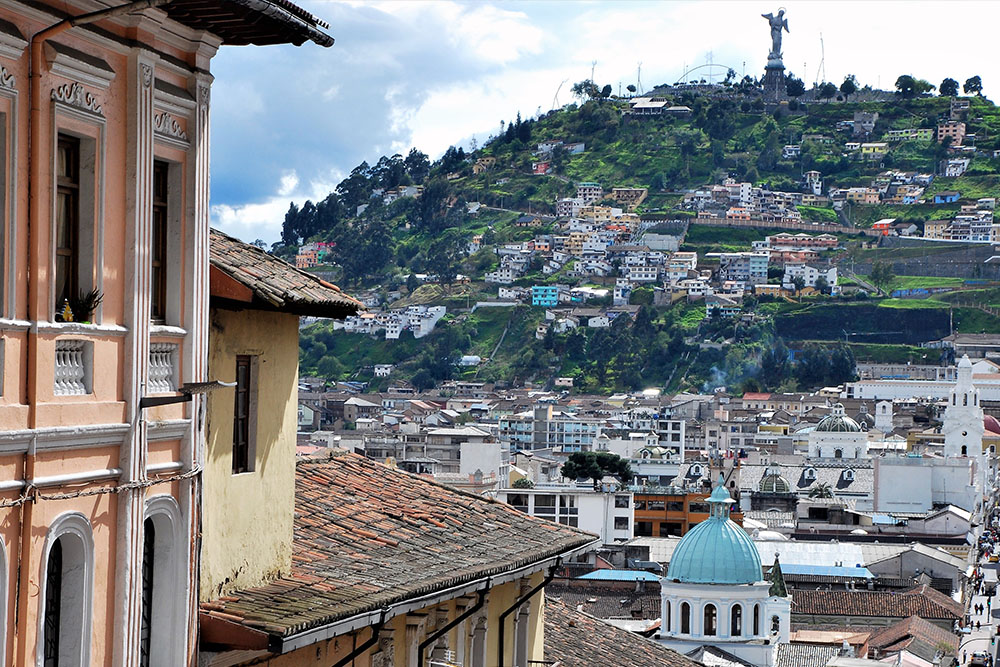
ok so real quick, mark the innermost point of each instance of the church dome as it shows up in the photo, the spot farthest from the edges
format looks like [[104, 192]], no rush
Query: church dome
[[774, 483], [838, 422], [991, 424], [716, 551]]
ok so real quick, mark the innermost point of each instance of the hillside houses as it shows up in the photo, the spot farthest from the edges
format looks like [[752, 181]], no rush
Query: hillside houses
[[420, 320]]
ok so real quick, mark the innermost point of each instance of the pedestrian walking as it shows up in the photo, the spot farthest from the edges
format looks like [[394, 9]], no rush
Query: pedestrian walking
[[978, 625]]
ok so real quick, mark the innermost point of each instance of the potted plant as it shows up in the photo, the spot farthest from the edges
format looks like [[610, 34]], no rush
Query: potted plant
[[83, 306]]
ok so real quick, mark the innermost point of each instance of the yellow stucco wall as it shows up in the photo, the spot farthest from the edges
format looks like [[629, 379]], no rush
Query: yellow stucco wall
[[499, 598], [237, 550]]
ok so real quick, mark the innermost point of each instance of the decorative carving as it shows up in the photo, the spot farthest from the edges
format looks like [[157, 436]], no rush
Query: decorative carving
[[147, 75], [167, 125], [204, 96], [385, 656], [75, 95], [6, 78]]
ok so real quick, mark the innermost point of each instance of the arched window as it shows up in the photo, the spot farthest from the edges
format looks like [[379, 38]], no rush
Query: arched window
[[849, 475], [965, 450], [685, 618], [838, 453], [67, 590], [736, 621], [710, 619], [162, 638], [756, 619], [666, 619], [809, 473]]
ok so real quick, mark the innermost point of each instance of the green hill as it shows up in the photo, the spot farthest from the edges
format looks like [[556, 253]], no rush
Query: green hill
[[378, 245]]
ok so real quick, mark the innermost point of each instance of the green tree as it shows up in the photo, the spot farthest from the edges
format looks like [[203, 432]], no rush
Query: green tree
[[881, 275], [597, 465], [522, 483], [822, 286], [821, 490], [798, 282], [826, 91], [585, 90], [973, 85], [794, 87], [849, 86], [631, 88], [948, 87], [905, 86]]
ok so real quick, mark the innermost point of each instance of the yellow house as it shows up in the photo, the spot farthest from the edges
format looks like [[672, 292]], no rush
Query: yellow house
[[249, 470], [934, 229], [874, 150], [339, 559]]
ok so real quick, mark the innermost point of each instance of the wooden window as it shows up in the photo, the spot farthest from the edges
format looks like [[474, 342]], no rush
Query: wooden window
[[158, 244], [146, 629], [53, 606], [67, 220], [241, 415]]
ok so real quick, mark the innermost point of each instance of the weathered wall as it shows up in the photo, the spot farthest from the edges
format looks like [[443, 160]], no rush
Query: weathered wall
[[236, 552]]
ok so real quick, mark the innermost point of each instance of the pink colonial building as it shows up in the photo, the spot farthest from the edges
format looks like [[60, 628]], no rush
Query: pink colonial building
[[104, 244]]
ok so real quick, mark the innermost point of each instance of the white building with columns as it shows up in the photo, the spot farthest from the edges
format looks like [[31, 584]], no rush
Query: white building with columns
[[715, 593], [838, 436]]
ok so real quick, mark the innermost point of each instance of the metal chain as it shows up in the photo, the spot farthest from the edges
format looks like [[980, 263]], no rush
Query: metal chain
[[105, 490]]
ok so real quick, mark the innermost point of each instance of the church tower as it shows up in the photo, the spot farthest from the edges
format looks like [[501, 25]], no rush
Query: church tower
[[963, 418]]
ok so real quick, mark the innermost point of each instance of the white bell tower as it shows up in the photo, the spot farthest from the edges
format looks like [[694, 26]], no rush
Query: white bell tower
[[963, 418]]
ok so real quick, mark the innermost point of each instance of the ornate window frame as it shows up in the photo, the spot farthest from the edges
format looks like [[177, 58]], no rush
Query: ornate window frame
[[75, 525]]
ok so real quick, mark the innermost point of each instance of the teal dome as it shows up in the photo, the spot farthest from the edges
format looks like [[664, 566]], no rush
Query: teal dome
[[716, 551]]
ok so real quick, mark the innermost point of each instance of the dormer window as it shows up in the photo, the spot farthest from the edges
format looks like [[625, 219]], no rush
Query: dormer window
[[696, 469], [809, 473], [848, 475]]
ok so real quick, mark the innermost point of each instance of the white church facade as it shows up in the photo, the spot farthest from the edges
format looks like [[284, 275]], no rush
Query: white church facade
[[715, 593]]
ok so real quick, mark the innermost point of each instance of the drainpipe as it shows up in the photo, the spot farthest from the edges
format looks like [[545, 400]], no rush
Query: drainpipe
[[376, 629], [521, 600], [35, 161], [466, 614]]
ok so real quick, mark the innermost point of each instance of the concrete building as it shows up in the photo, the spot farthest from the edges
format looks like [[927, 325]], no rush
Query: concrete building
[[605, 511], [746, 267]]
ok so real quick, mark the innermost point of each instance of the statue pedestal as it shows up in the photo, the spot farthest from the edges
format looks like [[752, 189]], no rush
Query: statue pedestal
[[774, 81]]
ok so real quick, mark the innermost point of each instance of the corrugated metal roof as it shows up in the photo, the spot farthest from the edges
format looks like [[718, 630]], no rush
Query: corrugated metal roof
[[620, 575], [827, 571]]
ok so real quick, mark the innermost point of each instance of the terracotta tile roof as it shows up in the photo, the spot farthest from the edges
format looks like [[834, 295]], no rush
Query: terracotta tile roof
[[915, 635], [804, 655], [922, 601], [576, 639], [368, 536], [276, 284]]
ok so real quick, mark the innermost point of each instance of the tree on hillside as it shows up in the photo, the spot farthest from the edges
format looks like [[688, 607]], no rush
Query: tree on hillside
[[631, 88], [798, 282], [606, 91], [822, 286], [882, 274], [907, 86], [826, 91], [418, 165], [794, 87], [595, 466], [948, 87], [585, 90], [973, 85], [849, 86], [444, 256]]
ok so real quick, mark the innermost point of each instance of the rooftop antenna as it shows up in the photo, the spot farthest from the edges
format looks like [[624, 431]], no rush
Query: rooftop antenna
[[638, 77], [822, 63], [555, 98]]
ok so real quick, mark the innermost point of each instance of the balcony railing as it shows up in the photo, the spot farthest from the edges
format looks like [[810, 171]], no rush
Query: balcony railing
[[72, 368], [162, 368]]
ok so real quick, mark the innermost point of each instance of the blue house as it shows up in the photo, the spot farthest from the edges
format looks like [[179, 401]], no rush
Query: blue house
[[545, 295], [946, 197]]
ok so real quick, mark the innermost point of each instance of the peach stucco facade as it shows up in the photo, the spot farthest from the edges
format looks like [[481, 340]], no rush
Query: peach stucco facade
[[86, 475]]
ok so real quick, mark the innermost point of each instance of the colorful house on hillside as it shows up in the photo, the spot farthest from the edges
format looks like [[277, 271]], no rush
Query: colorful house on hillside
[[946, 197], [104, 319]]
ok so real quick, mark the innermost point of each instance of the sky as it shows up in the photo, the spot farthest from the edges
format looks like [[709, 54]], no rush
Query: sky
[[288, 123]]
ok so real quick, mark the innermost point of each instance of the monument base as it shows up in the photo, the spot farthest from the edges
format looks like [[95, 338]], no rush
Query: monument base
[[774, 82]]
